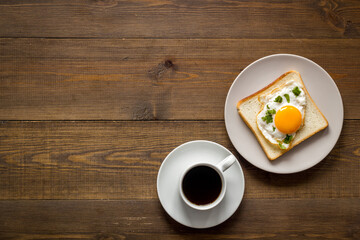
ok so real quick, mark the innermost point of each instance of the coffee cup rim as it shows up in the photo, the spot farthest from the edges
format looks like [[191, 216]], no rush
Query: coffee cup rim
[[209, 205]]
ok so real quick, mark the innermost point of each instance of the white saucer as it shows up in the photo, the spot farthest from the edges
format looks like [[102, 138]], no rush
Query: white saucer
[[168, 184], [323, 91]]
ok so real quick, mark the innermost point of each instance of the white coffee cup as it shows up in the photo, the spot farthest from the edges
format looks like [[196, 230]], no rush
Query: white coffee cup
[[220, 168]]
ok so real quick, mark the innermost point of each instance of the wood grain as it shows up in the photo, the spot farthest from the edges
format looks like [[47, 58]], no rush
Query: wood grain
[[87, 79], [180, 19], [95, 93], [255, 219], [120, 160]]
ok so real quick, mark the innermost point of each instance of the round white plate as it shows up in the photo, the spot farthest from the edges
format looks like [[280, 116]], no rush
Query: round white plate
[[323, 91], [168, 184]]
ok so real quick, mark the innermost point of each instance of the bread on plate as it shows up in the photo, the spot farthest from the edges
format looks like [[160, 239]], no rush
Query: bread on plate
[[282, 114]]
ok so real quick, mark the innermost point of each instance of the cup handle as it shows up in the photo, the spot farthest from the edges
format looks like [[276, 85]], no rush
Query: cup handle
[[226, 163]]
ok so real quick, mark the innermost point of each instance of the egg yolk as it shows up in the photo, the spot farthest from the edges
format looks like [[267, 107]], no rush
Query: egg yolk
[[288, 119]]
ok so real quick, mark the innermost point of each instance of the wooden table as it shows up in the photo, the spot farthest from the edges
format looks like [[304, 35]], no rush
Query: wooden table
[[95, 94]]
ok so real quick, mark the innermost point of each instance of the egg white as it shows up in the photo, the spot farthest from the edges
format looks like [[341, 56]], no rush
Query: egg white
[[268, 101]]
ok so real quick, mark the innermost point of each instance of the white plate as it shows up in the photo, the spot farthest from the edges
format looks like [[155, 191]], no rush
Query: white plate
[[168, 184], [323, 91]]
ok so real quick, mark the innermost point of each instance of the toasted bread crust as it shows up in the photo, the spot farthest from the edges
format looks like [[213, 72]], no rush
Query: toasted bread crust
[[261, 91], [265, 88], [307, 93], [313, 133]]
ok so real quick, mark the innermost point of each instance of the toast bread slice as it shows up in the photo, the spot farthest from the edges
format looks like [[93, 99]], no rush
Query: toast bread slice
[[249, 107]]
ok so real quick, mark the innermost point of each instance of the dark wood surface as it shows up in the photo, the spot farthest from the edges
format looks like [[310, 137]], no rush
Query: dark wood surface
[[95, 94], [149, 79]]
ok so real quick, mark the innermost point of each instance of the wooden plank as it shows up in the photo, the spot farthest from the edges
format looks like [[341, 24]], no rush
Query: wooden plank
[[255, 219], [120, 160], [51, 79], [180, 19]]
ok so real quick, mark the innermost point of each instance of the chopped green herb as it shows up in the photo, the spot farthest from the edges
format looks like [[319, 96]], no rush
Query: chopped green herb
[[269, 112], [274, 129], [288, 138], [281, 146], [267, 119], [296, 91], [267, 106], [287, 97], [278, 99]]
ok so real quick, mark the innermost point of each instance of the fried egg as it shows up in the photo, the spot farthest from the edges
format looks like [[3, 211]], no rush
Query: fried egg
[[282, 114]]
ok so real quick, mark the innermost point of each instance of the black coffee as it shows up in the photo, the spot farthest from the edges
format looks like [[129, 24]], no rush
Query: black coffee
[[201, 185]]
